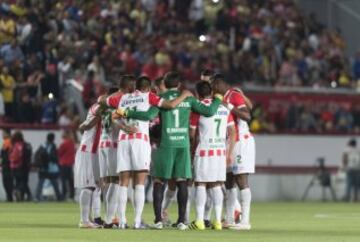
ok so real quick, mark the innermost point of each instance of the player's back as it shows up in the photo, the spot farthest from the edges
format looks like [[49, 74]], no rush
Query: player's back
[[212, 130], [90, 137], [175, 122], [138, 101], [235, 98]]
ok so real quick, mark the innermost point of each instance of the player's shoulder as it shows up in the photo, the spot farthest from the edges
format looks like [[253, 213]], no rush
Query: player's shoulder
[[234, 91], [93, 109]]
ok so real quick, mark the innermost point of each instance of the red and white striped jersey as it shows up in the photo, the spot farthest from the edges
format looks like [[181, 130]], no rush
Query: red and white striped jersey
[[140, 101], [212, 130], [235, 98], [91, 137], [109, 137]]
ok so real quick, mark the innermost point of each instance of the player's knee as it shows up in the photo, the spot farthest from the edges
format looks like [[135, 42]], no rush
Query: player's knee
[[159, 181], [171, 185], [242, 181], [229, 183]]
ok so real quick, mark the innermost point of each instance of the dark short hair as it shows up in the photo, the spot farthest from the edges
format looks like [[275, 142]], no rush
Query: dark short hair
[[112, 90], [172, 79], [50, 137], [203, 88], [217, 77], [125, 81], [143, 82], [207, 72], [158, 81], [17, 136]]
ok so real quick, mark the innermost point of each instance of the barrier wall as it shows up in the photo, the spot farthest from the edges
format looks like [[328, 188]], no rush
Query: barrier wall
[[285, 163]]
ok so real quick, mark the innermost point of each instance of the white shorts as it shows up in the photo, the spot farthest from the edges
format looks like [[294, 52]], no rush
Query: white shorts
[[210, 168], [244, 155], [108, 161], [133, 155], [86, 171]]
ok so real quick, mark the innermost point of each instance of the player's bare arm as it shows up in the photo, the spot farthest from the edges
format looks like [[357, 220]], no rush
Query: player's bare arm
[[230, 148], [247, 100], [102, 99], [88, 124], [242, 113], [128, 128]]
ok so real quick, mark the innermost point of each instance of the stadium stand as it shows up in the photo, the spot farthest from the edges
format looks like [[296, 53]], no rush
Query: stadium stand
[[53, 53]]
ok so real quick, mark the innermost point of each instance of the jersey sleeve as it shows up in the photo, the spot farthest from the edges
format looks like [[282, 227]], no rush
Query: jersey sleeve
[[113, 101], [205, 110], [194, 120], [93, 109], [230, 121], [155, 100], [237, 100]]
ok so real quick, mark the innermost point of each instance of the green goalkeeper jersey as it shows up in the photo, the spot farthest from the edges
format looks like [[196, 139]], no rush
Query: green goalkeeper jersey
[[175, 122]]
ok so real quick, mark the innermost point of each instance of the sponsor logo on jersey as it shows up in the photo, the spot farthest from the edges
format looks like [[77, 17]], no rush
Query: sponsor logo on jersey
[[130, 102], [222, 112]]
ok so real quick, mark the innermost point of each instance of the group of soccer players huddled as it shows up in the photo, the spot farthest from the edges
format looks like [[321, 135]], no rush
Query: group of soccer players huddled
[[186, 141]]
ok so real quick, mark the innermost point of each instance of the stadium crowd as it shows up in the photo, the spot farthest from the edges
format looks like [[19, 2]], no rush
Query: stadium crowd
[[307, 118], [43, 44]]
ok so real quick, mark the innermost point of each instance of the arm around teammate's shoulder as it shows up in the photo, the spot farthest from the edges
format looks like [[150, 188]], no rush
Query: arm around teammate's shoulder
[[150, 114], [203, 109]]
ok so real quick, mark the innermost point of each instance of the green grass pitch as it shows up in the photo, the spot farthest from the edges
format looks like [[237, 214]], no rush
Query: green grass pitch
[[57, 222]]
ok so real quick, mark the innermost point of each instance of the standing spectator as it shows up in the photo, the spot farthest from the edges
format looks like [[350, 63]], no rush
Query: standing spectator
[[49, 110], [88, 93], [8, 85], [49, 168], [351, 164], [65, 117], [12, 53], [98, 69], [7, 28], [356, 66], [16, 163], [66, 153], [5, 165], [65, 70], [26, 166]]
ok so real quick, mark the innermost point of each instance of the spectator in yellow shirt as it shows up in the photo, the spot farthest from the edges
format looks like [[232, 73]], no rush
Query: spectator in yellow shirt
[[7, 29], [7, 84]]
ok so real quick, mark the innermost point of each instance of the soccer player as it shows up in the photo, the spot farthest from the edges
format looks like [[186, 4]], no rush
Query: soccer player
[[134, 152], [170, 190], [244, 152], [206, 75], [108, 160], [87, 166], [211, 156], [173, 156]]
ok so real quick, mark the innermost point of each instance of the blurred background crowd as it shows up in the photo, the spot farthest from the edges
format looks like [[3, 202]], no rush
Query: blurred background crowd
[[47, 45]]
